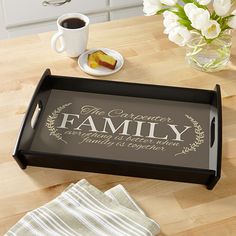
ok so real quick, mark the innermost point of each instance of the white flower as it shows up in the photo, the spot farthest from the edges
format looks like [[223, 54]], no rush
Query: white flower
[[170, 21], [232, 20], [203, 2], [169, 2], [189, 7], [151, 7], [180, 35], [199, 18], [222, 7], [212, 30]]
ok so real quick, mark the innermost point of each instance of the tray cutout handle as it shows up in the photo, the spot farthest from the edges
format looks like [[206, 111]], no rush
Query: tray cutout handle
[[213, 131], [36, 113]]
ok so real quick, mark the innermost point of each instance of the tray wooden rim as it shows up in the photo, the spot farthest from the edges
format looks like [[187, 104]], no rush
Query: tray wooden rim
[[207, 97]]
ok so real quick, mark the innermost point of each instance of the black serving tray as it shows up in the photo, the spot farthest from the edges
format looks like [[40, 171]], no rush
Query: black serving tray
[[120, 128]]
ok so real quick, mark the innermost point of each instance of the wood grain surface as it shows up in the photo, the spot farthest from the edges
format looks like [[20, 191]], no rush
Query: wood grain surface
[[181, 209]]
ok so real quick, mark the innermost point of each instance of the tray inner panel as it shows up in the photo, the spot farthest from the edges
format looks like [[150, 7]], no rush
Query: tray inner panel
[[124, 128]]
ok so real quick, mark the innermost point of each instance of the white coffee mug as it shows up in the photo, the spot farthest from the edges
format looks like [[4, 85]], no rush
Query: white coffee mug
[[73, 41]]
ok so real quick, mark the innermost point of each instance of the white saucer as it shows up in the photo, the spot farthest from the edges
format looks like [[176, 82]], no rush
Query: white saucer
[[100, 71]]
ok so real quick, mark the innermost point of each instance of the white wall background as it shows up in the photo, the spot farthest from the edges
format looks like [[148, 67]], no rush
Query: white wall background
[[23, 17]]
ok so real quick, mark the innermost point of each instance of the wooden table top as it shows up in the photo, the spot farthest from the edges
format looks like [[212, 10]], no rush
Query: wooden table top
[[181, 209]]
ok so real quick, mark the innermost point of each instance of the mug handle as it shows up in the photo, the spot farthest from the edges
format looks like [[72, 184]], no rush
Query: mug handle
[[54, 39]]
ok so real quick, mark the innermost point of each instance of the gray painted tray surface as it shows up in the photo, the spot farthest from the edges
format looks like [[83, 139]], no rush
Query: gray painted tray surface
[[126, 128]]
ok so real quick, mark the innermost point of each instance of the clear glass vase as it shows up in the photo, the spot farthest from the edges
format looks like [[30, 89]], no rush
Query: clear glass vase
[[209, 56]]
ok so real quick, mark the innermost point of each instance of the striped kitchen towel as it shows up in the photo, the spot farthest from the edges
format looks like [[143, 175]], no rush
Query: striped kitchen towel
[[83, 210]]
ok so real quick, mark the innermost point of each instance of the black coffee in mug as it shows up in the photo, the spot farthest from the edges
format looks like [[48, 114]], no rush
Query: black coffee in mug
[[73, 23]]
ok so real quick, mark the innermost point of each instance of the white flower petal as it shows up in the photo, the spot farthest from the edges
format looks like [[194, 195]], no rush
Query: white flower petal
[[180, 35], [212, 30], [203, 2], [170, 28], [169, 2], [151, 7], [222, 7], [232, 20], [170, 18], [199, 18], [189, 7]]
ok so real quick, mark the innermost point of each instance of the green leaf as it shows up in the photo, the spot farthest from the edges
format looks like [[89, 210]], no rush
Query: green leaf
[[162, 10], [199, 5], [180, 15], [224, 22], [181, 9], [187, 1], [213, 15], [179, 6], [228, 17], [226, 27], [186, 23], [220, 21]]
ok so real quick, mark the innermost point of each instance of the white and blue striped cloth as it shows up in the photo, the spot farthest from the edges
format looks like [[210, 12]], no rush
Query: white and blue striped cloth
[[83, 210]]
